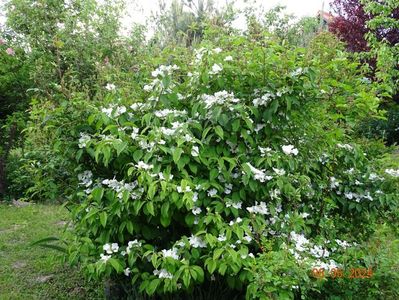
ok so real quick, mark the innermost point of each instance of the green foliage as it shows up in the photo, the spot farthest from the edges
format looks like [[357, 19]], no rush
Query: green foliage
[[224, 163]]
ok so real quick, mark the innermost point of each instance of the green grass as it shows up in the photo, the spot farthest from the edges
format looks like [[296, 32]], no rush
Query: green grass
[[36, 272]]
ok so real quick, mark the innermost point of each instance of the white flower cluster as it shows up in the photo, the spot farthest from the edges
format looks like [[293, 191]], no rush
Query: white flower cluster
[[264, 100], [323, 265], [216, 68], [86, 178], [143, 166], [259, 174], [84, 140], [290, 149], [392, 172], [162, 71], [345, 146], [113, 111], [196, 242], [111, 248], [334, 183], [166, 112], [279, 172], [170, 253], [163, 273], [110, 87], [131, 245], [121, 186], [258, 209], [358, 197], [219, 98], [265, 151], [237, 205], [176, 128]]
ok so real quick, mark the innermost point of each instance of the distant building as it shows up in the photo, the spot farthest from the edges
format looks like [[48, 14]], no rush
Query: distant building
[[325, 18]]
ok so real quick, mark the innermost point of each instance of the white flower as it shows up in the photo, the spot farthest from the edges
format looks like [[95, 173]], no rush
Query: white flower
[[127, 271], [259, 209], [259, 174], [114, 247], [279, 172], [195, 151], [221, 238], [148, 87], [274, 194], [345, 146], [104, 258], [265, 151], [392, 172], [110, 87], [333, 183], [195, 197], [170, 253], [143, 166], [247, 238], [228, 58], [85, 178], [237, 205], [83, 140], [304, 215], [300, 241], [222, 97], [216, 69], [196, 210], [107, 248], [290, 149], [163, 273], [196, 242], [187, 189], [264, 100], [238, 220], [212, 192], [132, 244], [217, 50]]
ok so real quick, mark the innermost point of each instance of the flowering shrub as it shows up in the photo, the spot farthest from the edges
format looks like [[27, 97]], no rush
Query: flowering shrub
[[223, 168]]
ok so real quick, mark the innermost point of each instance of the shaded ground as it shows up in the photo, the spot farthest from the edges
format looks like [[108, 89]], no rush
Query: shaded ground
[[36, 272]]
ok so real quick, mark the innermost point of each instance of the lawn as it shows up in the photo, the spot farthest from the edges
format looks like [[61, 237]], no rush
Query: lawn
[[33, 272]]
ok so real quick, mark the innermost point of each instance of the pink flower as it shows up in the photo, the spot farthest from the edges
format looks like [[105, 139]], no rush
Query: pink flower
[[2, 42], [10, 51]]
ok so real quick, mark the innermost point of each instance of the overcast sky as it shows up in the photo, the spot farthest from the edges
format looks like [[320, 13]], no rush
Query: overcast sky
[[139, 10]]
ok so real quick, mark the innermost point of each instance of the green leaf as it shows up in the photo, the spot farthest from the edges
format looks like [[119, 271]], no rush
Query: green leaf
[[219, 131], [116, 265], [97, 194], [137, 155], [150, 208], [103, 218], [176, 154]]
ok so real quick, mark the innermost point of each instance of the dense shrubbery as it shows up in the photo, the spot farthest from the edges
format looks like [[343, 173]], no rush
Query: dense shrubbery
[[229, 168], [221, 167]]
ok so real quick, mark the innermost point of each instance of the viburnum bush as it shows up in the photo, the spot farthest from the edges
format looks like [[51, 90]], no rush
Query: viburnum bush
[[226, 168]]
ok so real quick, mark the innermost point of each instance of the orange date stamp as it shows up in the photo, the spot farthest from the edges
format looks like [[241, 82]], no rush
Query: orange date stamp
[[352, 273]]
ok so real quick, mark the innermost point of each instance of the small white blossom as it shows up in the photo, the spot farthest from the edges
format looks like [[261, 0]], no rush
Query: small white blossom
[[290, 149], [170, 253], [143, 166], [259, 209], [163, 273], [110, 87], [216, 69], [212, 192], [127, 271], [104, 258], [228, 58], [196, 242]]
